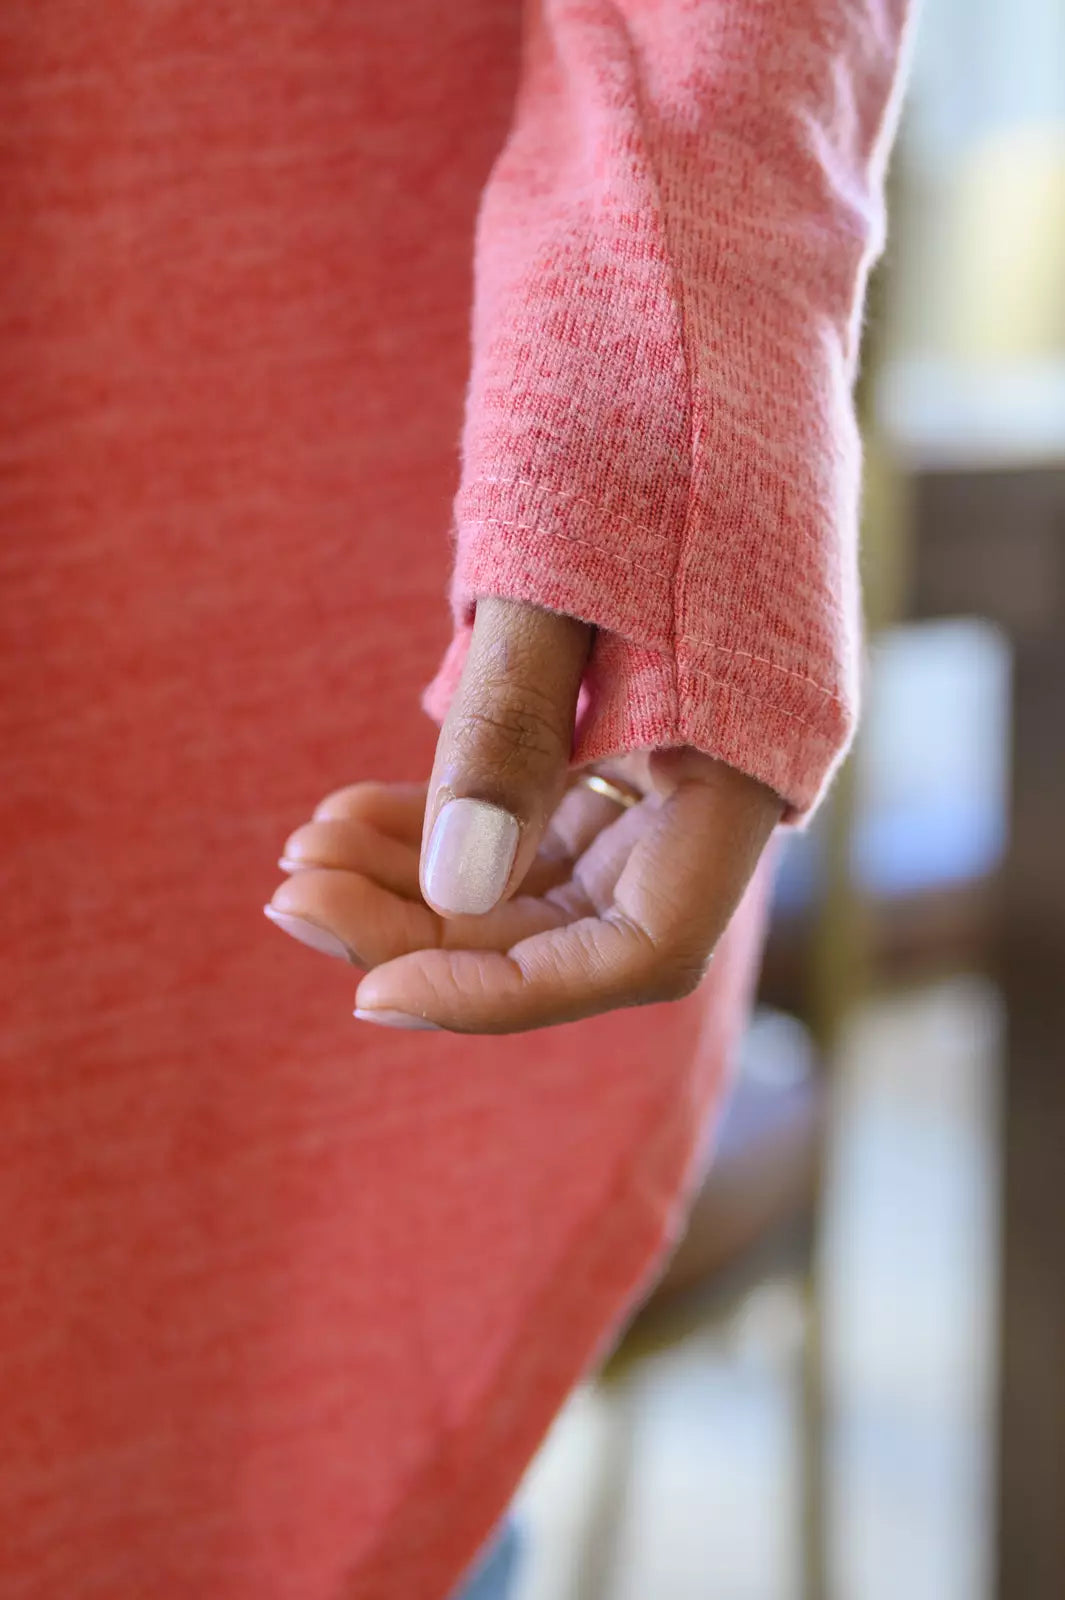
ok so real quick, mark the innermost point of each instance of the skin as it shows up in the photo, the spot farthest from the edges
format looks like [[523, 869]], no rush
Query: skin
[[604, 907]]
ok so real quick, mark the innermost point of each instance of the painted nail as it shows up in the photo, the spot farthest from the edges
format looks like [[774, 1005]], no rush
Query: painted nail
[[397, 1019], [310, 933], [470, 855]]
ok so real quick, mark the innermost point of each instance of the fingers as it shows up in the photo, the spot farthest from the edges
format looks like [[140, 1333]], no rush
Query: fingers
[[503, 755], [353, 846], [354, 889], [582, 815], [397, 809], [682, 883], [559, 976], [351, 915], [691, 856], [379, 835]]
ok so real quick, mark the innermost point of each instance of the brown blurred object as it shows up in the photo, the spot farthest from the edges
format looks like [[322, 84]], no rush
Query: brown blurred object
[[976, 411], [993, 542]]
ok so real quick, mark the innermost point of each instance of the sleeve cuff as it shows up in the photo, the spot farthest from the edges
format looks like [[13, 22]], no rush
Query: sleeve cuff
[[645, 689]]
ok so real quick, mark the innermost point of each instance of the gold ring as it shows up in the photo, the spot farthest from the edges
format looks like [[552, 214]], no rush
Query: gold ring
[[609, 791]]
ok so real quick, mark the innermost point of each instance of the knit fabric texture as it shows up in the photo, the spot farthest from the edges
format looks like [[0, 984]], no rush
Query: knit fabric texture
[[286, 1301], [672, 253]]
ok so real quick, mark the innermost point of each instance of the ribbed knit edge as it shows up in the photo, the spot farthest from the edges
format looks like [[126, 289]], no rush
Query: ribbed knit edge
[[774, 724]]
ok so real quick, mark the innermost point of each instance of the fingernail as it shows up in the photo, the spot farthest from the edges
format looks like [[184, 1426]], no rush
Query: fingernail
[[290, 864], [470, 855], [397, 1019], [310, 933]]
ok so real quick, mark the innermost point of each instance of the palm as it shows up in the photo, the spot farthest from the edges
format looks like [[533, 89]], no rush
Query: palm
[[603, 877], [358, 870]]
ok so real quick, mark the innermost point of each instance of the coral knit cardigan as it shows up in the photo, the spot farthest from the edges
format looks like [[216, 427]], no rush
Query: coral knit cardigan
[[286, 1302]]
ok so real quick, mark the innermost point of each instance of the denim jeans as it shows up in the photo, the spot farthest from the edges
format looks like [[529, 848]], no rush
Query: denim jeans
[[492, 1577]]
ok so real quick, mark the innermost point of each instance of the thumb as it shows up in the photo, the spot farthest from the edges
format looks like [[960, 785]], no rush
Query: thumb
[[503, 755]]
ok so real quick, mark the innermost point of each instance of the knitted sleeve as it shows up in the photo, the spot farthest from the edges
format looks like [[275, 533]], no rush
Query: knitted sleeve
[[659, 437]]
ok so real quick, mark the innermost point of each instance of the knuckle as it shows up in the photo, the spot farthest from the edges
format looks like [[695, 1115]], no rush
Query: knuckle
[[669, 972], [686, 980], [513, 731], [679, 976]]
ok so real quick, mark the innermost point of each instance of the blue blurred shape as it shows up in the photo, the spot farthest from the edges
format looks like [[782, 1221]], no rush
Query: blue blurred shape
[[933, 766]]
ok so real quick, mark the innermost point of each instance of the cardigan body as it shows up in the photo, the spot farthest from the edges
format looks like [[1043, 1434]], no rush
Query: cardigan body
[[287, 1302]]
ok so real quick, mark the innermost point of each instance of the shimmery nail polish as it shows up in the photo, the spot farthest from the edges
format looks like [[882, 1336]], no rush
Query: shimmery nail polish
[[310, 933], [469, 858], [397, 1019]]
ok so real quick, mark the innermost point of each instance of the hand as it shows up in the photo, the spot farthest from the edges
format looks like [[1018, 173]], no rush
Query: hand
[[517, 897]]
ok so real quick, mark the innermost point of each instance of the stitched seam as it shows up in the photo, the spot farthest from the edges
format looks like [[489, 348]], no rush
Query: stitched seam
[[568, 494], [616, 516], [546, 489], [741, 429], [570, 538], [746, 655], [723, 683], [678, 296], [681, 638]]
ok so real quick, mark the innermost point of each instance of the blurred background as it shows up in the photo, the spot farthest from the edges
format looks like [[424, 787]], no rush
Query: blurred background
[[851, 1382]]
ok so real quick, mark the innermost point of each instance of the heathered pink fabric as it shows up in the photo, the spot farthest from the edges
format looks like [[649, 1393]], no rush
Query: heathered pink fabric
[[671, 259], [287, 1301]]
